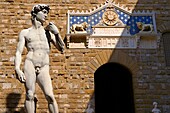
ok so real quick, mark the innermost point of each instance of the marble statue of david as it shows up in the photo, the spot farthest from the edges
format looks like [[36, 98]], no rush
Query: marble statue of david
[[37, 40]]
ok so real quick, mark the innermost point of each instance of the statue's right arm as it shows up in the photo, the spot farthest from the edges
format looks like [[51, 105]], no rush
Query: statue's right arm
[[18, 56]]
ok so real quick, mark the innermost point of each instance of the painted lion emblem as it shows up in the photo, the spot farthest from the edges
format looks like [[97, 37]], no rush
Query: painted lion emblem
[[144, 27], [79, 28]]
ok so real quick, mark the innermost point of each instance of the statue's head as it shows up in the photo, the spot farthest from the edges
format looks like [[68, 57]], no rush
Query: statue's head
[[155, 104], [39, 7]]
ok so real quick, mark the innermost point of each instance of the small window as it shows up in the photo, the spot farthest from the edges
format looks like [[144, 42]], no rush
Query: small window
[[166, 43]]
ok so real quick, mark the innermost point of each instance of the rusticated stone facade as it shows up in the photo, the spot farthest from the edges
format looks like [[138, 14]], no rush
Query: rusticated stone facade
[[72, 73]]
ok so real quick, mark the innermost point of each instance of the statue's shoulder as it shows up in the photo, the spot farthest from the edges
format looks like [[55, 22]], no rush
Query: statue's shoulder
[[24, 31]]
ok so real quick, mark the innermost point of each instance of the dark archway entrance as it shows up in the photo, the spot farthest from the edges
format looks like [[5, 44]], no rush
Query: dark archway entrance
[[113, 89]]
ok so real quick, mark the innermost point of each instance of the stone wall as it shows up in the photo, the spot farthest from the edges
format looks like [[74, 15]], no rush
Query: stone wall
[[72, 73]]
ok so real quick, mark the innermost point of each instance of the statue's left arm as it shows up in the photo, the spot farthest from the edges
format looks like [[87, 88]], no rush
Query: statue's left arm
[[56, 39]]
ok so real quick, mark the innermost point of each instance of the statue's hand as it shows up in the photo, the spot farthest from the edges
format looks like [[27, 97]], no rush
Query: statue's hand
[[51, 27], [21, 76]]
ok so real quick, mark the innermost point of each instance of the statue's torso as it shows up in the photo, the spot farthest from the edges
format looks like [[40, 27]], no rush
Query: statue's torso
[[37, 46]]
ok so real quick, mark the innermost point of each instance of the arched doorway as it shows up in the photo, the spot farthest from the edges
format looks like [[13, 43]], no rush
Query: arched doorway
[[113, 89]]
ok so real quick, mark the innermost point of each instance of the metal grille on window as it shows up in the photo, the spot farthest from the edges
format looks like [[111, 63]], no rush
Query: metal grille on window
[[166, 43]]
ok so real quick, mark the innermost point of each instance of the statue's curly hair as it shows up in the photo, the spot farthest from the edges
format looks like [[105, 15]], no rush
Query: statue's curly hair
[[39, 7]]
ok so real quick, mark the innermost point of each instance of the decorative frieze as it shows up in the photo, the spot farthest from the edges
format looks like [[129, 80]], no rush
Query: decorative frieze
[[148, 40], [112, 42], [112, 26], [110, 31], [79, 40]]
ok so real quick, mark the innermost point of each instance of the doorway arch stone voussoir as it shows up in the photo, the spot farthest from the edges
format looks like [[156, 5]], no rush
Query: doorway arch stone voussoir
[[115, 56]]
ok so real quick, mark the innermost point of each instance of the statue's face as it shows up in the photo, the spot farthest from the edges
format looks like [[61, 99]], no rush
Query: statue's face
[[42, 15]]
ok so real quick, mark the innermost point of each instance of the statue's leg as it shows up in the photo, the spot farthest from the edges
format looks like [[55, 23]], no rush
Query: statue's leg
[[45, 83], [30, 75]]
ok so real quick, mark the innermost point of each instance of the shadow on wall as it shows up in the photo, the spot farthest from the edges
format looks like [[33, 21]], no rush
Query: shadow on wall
[[12, 102], [114, 82]]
